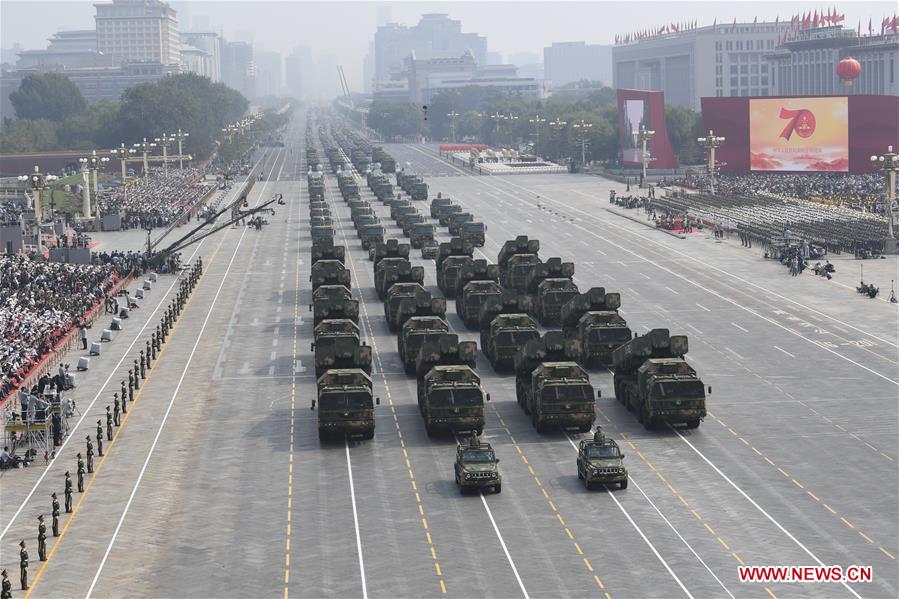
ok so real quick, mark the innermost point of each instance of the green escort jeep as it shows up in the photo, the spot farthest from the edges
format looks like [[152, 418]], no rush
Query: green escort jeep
[[599, 460], [476, 466]]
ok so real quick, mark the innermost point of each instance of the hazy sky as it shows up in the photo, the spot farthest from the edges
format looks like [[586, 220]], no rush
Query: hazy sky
[[345, 28]]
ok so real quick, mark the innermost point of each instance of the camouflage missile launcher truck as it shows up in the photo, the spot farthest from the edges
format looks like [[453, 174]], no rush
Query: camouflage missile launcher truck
[[600, 462], [592, 319], [451, 257], [439, 202], [337, 345], [316, 183], [321, 233], [421, 304], [444, 213], [551, 387], [653, 380], [456, 220], [506, 333], [420, 234], [333, 302], [388, 164], [469, 298], [476, 467], [329, 272], [326, 250], [417, 331], [395, 296], [391, 248], [517, 258], [474, 232], [450, 396], [345, 405], [396, 270], [551, 287], [371, 235]]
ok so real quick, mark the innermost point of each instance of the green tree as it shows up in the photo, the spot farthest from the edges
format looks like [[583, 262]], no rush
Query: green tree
[[48, 96], [395, 118], [684, 126], [27, 135]]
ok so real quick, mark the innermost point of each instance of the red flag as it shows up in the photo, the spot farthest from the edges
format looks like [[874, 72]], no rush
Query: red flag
[[884, 24], [755, 21], [895, 25], [815, 20], [870, 27], [838, 18], [734, 26]]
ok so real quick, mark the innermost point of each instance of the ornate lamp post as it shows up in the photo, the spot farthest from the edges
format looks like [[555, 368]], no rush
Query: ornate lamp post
[[90, 164], [180, 136], [583, 129], [38, 182], [452, 117], [537, 122], [122, 153], [558, 125], [165, 141], [710, 142], [644, 136], [889, 162], [146, 147]]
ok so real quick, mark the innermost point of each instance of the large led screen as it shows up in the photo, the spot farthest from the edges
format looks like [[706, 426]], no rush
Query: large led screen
[[799, 134]]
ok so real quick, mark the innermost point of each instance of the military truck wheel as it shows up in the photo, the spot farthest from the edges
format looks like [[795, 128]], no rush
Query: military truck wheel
[[429, 430], [498, 488], [322, 436], [623, 484], [584, 428], [579, 475], [368, 435], [588, 485], [693, 423]]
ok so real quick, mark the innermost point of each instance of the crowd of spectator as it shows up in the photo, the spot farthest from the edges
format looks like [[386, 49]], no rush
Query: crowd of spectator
[[157, 199], [860, 191], [41, 301]]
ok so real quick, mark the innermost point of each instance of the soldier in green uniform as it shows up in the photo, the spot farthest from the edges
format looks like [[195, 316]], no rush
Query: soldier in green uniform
[[124, 401], [143, 372], [68, 493], [136, 378], [90, 455], [5, 586], [99, 439], [108, 423], [130, 384], [55, 506], [116, 409], [41, 539], [23, 565], [80, 473]]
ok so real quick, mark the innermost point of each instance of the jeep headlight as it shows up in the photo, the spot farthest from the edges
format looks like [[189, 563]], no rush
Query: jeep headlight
[[467, 475]]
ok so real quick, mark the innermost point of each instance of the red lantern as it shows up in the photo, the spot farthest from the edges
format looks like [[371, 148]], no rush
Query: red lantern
[[848, 70]]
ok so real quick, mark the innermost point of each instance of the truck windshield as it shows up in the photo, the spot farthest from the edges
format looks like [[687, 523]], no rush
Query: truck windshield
[[602, 452], [457, 397], [345, 401], [563, 393], [678, 389], [616, 335], [423, 229], [473, 227], [478, 456], [516, 337]]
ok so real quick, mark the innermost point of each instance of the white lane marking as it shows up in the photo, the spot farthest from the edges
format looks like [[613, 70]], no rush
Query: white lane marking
[[505, 549], [349, 467], [734, 353], [784, 351], [739, 327], [599, 251], [645, 276], [648, 542], [672, 290], [758, 507], [703, 307], [168, 409], [582, 242], [86, 411], [689, 325]]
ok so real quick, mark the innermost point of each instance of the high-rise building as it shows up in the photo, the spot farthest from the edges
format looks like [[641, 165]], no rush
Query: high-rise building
[[239, 68], [520, 58], [495, 58], [212, 45], [269, 79], [298, 67], [368, 68], [138, 30], [67, 50], [435, 35], [805, 64], [716, 60], [567, 62]]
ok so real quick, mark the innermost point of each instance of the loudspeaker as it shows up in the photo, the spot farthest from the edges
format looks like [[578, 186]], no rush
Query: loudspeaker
[[153, 277], [106, 335], [95, 349], [147, 284], [116, 324], [84, 362], [139, 294]]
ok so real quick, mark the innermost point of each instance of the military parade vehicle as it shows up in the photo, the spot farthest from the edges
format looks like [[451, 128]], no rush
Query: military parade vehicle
[[507, 332], [517, 258], [388, 164], [437, 203], [474, 232], [420, 304], [398, 213], [417, 331], [508, 302], [321, 221], [316, 183], [413, 185], [366, 219], [360, 211], [326, 250], [391, 248], [452, 255], [390, 271], [444, 213], [329, 272], [395, 296], [653, 380], [359, 158], [430, 249], [551, 386], [592, 319], [371, 235], [333, 302], [336, 345], [450, 396], [321, 233], [550, 284], [476, 466], [382, 188], [324, 210], [420, 234], [345, 405], [455, 221], [600, 462], [407, 221], [477, 280]]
